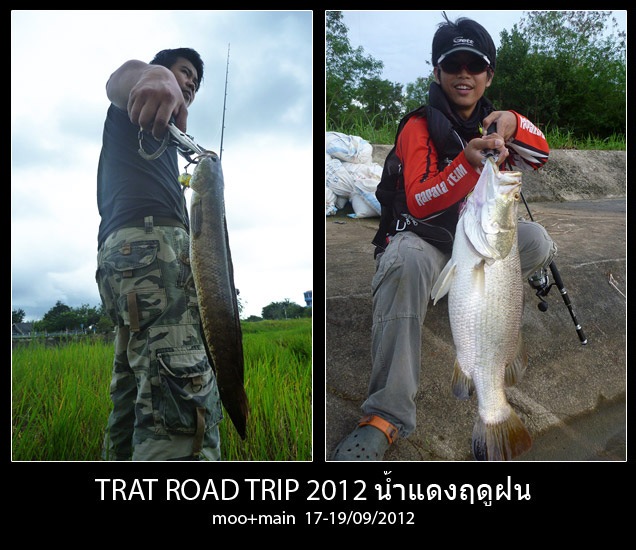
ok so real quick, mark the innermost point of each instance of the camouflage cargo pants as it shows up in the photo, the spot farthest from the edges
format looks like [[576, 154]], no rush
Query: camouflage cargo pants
[[166, 403]]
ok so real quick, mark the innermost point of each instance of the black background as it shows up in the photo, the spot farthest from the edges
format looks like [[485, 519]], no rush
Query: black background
[[60, 501]]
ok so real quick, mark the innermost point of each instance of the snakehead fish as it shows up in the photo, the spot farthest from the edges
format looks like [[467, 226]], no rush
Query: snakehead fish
[[485, 304], [213, 274]]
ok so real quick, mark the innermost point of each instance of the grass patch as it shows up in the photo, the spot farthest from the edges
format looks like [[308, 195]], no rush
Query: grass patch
[[61, 401]]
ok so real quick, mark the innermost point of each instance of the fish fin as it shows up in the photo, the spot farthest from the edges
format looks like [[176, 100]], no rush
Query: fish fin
[[502, 441], [517, 367], [230, 378], [231, 390], [444, 281], [461, 384], [479, 277]]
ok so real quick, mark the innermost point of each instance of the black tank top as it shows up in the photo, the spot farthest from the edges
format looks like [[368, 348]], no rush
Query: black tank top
[[130, 187]]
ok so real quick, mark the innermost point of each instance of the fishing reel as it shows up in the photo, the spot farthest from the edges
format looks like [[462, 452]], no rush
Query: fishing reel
[[540, 282]]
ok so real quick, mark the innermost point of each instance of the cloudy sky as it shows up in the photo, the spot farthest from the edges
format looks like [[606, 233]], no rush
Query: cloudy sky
[[60, 62], [402, 39]]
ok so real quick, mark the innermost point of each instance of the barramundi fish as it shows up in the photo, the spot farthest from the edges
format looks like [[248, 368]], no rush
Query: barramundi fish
[[213, 274], [485, 305]]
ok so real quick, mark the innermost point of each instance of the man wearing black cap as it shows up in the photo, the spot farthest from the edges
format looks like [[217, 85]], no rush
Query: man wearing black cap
[[434, 165]]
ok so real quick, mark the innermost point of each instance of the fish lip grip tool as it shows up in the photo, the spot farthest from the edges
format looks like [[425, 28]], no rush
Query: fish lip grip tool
[[185, 144], [490, 153]]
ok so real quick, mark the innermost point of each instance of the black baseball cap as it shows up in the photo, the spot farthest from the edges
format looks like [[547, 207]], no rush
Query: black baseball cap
[[463, 35]]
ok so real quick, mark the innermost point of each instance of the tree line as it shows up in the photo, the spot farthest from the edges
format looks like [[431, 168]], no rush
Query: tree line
[[62, 317], [562, 69]]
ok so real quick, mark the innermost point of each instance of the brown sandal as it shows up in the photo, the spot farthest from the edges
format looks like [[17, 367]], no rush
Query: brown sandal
[[384, 426]]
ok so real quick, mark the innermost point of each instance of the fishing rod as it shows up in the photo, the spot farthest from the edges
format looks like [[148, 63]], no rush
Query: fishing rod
[[227, 70], [542, 288], [541, 284]]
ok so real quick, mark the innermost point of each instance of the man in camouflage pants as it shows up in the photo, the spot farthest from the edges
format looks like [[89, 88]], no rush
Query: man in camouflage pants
[[166, 403]]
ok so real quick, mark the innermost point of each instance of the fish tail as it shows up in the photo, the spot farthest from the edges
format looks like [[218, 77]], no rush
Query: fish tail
[[516, 368], [461, 384], [502, 441], [239, 411]]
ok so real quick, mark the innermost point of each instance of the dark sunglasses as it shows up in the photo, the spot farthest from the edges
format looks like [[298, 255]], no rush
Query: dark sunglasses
[[451, 66]]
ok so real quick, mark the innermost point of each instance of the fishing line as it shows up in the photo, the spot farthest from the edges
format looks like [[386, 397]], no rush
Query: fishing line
[[227, 70]]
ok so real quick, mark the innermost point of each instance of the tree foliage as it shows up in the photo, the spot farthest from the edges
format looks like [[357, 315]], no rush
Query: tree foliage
[[417, 93], [563, 69], [17, 315], [346, 69], [62, 317], [285, 310]]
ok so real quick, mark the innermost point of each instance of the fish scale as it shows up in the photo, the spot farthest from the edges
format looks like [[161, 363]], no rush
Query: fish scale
[[485, 304], [213, 274]]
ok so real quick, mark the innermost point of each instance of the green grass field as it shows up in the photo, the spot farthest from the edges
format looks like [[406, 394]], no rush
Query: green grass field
[[61, 402]]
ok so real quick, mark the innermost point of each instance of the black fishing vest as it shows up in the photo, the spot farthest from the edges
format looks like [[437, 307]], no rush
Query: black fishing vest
[[439, 228]]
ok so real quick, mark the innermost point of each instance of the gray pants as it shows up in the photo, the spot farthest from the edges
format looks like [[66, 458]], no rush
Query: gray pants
[[402, 286]]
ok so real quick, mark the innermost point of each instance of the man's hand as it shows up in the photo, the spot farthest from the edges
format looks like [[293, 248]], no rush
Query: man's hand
[[151, 96], [505, 123], [477, 148], [155, 99]]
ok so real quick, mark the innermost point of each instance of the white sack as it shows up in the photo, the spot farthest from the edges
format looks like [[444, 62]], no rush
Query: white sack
[[330, 202], [348, 148], [371, 171], [364, 202], [338, 179]]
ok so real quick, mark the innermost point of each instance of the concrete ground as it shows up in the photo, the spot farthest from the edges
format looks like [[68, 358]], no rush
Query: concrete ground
[[572, 397]]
